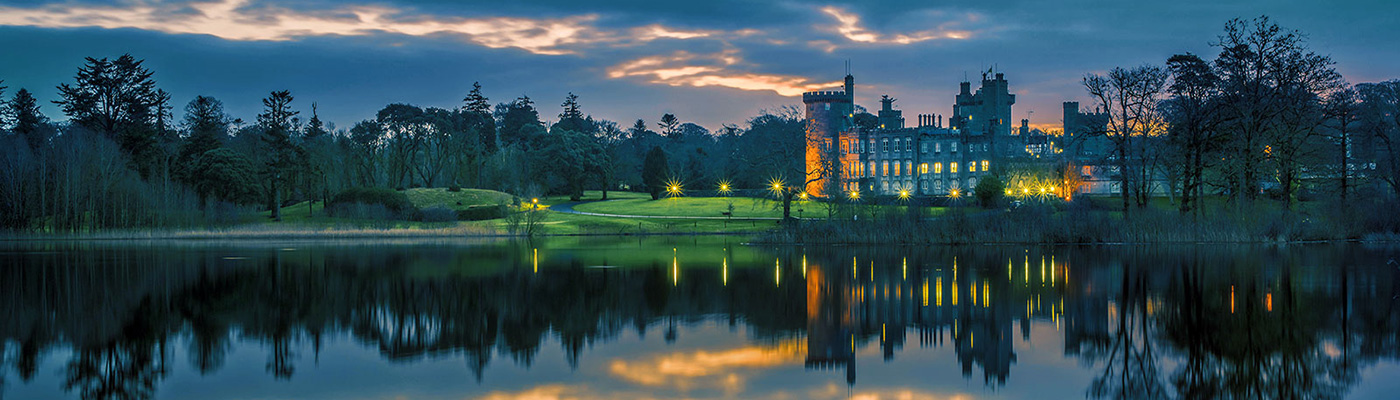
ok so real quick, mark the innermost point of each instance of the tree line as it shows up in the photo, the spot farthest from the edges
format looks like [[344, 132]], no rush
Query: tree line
[[1266, 117], [122, 160]]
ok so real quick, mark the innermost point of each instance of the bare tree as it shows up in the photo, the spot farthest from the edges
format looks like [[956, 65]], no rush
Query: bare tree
[[1130, 99]]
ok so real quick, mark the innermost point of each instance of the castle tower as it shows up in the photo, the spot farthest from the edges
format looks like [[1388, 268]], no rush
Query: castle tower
[[890, 118], [828, 113]]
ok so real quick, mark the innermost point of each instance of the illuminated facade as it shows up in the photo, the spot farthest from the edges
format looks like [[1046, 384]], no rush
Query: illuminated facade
[[930, 158]]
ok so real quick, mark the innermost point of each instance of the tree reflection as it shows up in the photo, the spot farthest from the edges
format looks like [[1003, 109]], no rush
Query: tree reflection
[[1195, 322]]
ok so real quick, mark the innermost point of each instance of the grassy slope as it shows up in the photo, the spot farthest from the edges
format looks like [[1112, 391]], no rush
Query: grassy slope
[[429, 197]]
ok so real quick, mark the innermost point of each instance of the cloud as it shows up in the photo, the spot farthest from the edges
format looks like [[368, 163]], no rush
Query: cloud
[[683, 68], [849, 26], [707, 369], [235, 20]]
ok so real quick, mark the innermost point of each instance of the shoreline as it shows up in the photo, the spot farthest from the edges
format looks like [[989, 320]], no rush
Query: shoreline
[[461, 233]]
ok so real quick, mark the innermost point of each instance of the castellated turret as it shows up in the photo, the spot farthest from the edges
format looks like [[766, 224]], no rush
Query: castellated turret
[[828, 114]]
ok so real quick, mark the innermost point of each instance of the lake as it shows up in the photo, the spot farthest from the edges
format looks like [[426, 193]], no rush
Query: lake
[[693, 317]]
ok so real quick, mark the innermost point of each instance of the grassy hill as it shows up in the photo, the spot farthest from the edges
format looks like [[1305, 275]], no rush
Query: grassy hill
[[460, 200]]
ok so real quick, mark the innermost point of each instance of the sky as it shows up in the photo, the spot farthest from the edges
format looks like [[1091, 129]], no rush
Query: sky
[[710, 62]]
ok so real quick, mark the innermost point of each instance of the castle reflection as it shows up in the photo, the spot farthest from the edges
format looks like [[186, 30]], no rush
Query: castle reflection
[[1186, 322]]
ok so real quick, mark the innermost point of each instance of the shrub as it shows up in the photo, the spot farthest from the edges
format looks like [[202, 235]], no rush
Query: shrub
[[480, 213], [396, 204], [376, 212], [439, 214], [454, 188]]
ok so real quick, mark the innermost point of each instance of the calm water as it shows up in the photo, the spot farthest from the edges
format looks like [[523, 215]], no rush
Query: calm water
[[693, 318]]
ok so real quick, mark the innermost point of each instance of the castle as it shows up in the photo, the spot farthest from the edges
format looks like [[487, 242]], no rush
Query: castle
[[932, 158]]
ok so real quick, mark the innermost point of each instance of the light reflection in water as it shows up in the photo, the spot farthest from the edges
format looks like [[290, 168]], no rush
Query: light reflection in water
[[1164, 309]]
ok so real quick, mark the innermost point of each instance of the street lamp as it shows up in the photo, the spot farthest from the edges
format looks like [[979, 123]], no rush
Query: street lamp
[[724, 188]]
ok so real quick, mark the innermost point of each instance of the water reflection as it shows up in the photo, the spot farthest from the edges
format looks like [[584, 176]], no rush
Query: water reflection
[[1167, 322]]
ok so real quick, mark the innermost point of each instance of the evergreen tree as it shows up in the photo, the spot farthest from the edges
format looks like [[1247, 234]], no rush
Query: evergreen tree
[[519, 121], [669, 125], [654, 171], [278, 122], [118, 98], [477, 112], [23, 117]]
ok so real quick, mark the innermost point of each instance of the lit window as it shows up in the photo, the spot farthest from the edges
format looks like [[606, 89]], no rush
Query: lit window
[[909, 166], [845, 148], [923, 168], [938, 168], [972, 167], [896, 168], [953, 168], [885, 168], [872, 169], [984, 165]]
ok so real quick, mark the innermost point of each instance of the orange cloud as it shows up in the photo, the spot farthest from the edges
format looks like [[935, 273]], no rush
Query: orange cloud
[[231, 20], [703, 368], [683, 68], [849, 26]]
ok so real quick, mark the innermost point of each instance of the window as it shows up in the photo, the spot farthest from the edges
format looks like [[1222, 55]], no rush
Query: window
[[909, 166], [908, 144], [871, 148], [953, 147], [972, 182], [885, 145], [872, 169], [937, 186], [972, 166], [937, 147], [828, 106], [984, 165], [885, 168], [923, 147], [953, 168], [845, 148], [938, 168], [896, 168], [885, 186], [923, 168]]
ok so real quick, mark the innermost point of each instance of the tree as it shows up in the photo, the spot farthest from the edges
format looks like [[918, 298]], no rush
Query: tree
[[1193, 115], [518, 121], [1380, 119], [278, 122], [367, 146], [1129, 97], [207, 129], [669, 124], [609, 137], [405, 131], [655, 170], [22, 117], [224, 174], [1270, 87], [119, 99], [1343, 115], [572, 118], [568, 162], [477, 111], [989, 191]]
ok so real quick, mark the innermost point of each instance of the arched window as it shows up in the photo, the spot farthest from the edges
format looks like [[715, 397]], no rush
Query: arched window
[[938, 168], [923, 168]]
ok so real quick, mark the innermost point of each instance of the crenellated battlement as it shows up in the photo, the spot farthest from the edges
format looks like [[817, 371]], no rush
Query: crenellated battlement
[[825, 96]]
